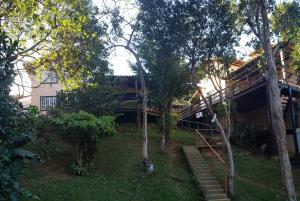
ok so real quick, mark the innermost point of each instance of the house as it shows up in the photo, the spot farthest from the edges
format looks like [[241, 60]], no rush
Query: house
[[130, 100], [46, 86], [44, 89], [247, 90]]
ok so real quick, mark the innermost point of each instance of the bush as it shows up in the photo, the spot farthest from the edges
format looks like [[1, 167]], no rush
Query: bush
[[97, 99], [13, 133], [244, 135], [79, 170], [83, 131]]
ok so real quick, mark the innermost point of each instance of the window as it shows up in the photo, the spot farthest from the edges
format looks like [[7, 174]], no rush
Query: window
[[47, 102], [49, 77]]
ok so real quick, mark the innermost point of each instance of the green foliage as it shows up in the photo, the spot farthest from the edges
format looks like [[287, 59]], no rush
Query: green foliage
[[83, 131], [66, 35], [286, 20], [244, 135], [97, 100], [119, 173], [13, 134], [79, 170], [173, 120], [286, 25], [167, 75]]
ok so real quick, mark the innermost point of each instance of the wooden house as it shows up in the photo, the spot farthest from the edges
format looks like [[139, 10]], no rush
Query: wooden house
[[130, 100], [247, 90]]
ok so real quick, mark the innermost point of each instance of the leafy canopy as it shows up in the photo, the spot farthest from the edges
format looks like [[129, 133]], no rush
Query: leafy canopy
[[64, 36]]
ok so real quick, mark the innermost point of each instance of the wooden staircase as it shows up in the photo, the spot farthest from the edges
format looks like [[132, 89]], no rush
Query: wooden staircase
[[207, 182]]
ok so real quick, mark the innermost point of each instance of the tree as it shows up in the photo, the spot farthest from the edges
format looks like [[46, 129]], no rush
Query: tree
[[129, 41], [167, 79], [255, 14], [208, 32], [83, 131], [285, 23], [64, 36], [166, 73], [98, 99], [13, 134]]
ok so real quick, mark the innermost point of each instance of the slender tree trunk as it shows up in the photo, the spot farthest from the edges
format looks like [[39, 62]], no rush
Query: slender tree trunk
[[163, 136], [145, 119], [215, 120], [278, 125], [168, 121], [146, 160]]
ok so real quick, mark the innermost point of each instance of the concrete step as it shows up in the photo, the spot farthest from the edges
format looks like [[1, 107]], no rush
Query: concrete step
[[218, 199], [215, 191], [215, 196], [207, 179], [212, 182], [201, 168], [212, 188], [201, 174]]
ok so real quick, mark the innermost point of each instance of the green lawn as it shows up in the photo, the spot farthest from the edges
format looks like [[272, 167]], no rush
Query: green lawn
[[257, 178], [118, 174]]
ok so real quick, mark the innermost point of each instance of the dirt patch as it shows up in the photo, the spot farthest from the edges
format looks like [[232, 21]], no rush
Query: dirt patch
[[47, 171], [55, 170]]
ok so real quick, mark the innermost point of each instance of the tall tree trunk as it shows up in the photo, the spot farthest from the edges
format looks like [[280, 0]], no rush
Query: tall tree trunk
[[278, 125], [145, 119], [163, 136], [168, 121], [225, 137], [146, 160]]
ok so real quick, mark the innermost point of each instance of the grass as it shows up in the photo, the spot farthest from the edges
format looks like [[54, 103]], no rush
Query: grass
[[257, 178], [262, 175], [119, 176]]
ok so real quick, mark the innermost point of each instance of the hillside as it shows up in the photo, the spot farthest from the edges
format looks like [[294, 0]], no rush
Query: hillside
[[118, 174]]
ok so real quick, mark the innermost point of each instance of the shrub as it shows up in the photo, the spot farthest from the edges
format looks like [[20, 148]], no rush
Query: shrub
[[79, 170], [13, 133], [244, 135], [83, 131], [97, 99]]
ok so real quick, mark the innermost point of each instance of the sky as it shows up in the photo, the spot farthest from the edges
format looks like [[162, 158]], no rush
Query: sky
[[120, 58]]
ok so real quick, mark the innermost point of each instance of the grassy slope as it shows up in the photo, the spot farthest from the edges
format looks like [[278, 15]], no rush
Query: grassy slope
[[257, 178], [118, 175]]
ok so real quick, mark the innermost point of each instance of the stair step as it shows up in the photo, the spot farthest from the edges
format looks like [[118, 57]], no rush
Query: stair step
[[201, 170], [216, 196], [217, 191], [207, 179], [211, 187], [213, 182]]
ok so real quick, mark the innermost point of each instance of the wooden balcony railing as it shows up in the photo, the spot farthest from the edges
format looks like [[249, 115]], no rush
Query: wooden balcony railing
[[237, 84]]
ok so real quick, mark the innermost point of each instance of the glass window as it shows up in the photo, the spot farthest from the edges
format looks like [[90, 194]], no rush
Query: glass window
[[49, 77], [47, 102]]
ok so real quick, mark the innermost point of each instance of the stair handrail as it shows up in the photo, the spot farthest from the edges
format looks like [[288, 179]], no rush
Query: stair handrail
[[210, 127], [211, 148], [221, 160]]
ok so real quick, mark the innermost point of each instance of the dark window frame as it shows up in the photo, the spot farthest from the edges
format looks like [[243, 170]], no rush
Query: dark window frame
[[42, 108]]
